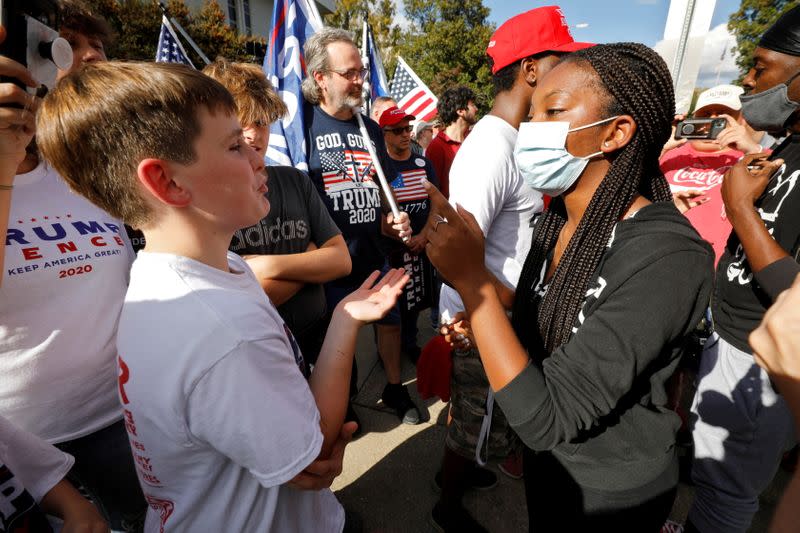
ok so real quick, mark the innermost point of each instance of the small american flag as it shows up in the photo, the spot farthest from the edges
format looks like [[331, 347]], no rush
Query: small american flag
[[169, 48], [411, 94], [344, 167], [408, 186]]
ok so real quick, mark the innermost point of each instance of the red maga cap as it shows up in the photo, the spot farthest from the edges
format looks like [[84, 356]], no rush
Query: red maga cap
[[543, 29], [392, 116]]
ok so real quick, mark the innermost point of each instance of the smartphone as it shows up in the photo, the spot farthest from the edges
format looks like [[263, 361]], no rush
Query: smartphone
[[700, 128], [32, 38]]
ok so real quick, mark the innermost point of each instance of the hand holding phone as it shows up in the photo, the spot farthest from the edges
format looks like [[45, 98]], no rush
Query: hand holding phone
[[32, 38]]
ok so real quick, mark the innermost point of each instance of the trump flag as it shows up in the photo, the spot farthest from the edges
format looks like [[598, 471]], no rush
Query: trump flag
[[293, 21]]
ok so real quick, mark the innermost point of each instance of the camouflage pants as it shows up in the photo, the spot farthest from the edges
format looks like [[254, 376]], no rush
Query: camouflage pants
[[469, 388]]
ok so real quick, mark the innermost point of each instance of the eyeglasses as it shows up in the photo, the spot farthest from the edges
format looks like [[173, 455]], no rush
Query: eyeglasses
[[352, 74], [398, 131]]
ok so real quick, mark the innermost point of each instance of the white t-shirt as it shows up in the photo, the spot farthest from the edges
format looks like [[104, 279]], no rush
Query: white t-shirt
[[29, 468], [64, 280], [218, 413], [484, 179]]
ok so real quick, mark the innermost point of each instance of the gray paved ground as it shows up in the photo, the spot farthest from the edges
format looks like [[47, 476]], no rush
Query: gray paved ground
[[388, 471]]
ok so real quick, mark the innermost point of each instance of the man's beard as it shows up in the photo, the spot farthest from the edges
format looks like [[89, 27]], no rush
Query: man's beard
[[349, 101]]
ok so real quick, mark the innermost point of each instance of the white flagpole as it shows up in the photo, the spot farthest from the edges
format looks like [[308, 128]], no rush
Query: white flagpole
[[387, 190], [366, 89], [316, 18], [190, 41]]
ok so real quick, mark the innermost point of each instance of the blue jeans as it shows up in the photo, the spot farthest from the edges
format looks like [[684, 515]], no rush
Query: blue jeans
[[741, 427], [104, 468]]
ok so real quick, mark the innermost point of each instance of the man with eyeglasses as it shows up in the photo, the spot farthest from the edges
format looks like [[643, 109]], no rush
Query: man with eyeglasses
[[344, 173]]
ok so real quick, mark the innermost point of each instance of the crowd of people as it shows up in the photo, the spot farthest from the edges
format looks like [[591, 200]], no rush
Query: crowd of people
[[177, 339]]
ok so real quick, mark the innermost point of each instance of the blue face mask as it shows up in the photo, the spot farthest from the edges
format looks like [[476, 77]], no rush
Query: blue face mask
[[543, 159]]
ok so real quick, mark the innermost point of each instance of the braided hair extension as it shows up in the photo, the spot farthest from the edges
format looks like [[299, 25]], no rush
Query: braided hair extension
[[634, 81]]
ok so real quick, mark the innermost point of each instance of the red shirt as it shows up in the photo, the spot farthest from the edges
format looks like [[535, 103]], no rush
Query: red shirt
[[687, 168], [441, 151]]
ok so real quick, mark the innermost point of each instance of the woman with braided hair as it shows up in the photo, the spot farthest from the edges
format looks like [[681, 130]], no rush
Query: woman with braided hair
[[614, 282]]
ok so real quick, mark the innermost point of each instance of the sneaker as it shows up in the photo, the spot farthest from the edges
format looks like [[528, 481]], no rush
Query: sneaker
[[395, 396], [512, 466], [478, 479], [459, 522]]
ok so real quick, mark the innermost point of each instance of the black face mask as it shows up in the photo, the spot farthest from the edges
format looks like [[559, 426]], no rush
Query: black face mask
[[769, 110]]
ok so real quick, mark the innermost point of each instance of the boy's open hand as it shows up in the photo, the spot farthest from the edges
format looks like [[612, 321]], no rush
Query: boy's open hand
[[368, 303]]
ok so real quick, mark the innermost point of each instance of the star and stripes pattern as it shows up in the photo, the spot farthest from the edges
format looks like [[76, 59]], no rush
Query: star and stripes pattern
[[341, 168], [293, 21], [169, 48], [411, 94], [408, 185]]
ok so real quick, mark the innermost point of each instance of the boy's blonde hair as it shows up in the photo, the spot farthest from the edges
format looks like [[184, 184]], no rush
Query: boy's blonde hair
[[257, 102], [99, 123]]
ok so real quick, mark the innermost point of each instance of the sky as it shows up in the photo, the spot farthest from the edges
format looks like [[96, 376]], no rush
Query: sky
[[635, 20]]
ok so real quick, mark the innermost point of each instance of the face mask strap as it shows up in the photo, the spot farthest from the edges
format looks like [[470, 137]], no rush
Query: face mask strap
[[592, 156], [597, 123], [791, 79]]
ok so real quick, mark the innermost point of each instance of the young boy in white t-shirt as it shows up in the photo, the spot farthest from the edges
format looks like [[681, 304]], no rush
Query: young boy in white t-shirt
[[220, 417]]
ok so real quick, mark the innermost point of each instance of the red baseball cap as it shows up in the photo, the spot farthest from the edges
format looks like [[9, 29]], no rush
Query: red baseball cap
[[543, 29], [393, 115]]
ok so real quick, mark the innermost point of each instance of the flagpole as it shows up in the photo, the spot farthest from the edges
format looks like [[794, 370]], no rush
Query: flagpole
[[312, 7], [366, 89], [170, 22], [387, 190]]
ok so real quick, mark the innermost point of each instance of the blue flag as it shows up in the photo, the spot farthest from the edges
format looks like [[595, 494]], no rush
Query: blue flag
[[378, 86], [293, 21], [170, 49]]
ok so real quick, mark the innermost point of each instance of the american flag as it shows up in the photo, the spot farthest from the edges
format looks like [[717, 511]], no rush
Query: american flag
[[342, 167], [408, 185], [293, 21], [411, 94], [169, 48]]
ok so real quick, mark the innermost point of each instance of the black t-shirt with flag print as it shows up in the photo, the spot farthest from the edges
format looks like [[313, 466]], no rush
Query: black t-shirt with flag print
[[344, 174], [407, 186]]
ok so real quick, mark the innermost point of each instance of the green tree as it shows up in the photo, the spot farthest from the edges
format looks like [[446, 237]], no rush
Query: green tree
[[446, 45], [350, 15], [750, 22], [137, 24]]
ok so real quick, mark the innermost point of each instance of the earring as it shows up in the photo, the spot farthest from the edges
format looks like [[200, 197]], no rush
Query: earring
[[605, 143]]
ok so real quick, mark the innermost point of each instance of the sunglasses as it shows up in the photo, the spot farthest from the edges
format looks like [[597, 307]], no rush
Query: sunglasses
[[398, 131]]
